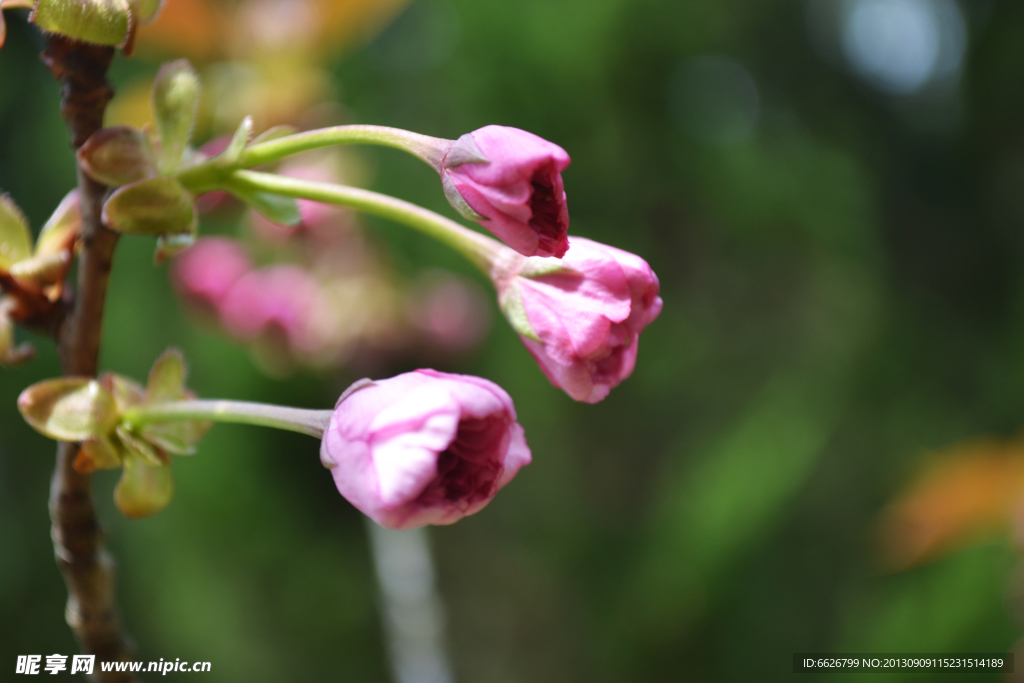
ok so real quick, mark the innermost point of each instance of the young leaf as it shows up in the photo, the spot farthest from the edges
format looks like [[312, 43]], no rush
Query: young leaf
[[15, 240], [143, 490], [175, 102], [126, 392], [69, 408], [179, 438], [166, 378], [273, 207], [44, 270], [103, 22], [145, 450], [62, 228], [101, 453], [117, 156], [150, 207]]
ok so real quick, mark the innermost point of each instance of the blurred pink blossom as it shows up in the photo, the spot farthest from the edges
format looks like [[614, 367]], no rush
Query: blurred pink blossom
[[279, 297], [205, 272], [450, 312], [424, 447]]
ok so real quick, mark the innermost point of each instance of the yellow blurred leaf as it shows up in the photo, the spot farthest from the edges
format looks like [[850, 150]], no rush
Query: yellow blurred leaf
[[969, 490]]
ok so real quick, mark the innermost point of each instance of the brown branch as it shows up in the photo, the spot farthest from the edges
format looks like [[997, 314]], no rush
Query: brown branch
[[77, 536]]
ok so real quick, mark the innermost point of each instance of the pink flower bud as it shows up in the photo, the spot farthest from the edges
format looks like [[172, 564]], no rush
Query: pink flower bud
[[581, 320], [510, 182], [205, 272], [425, 447]]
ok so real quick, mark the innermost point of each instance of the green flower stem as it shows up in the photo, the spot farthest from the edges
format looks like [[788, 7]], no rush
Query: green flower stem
[[429, 149], [311, 422], [480, 249], [204, 176]]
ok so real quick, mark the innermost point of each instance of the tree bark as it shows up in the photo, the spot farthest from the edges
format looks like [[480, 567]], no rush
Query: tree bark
[[87, 567]]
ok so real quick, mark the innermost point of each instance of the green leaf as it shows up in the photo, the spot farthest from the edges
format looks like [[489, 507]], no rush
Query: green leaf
[[179, 438], [273, 207], [101, 453], [137, 444], [103, 22], [62, 228], [118, 156], [175, 102], [126, 392], [166, 378], [44, 270], [150, 207], [15, 239], [143, 489], [69, 408]]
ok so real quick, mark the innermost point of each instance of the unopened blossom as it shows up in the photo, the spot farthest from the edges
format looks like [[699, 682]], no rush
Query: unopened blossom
[[424, 447], [581, 317], [512, 181]]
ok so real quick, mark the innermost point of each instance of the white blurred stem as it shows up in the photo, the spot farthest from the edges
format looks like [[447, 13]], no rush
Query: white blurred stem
[[412, 609]]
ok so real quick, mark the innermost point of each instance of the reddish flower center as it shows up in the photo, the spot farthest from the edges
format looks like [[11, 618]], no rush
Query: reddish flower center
[[545, 209], [468, 469]]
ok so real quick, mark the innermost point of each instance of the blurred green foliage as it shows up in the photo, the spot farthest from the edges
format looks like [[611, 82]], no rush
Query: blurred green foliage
[[842, 289]]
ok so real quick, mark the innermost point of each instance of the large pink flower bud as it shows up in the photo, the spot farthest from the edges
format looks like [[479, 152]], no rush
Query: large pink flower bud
[[510, 182], [425, 447], [581, 316]]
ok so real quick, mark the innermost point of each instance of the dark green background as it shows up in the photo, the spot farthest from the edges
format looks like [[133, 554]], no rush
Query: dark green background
[[843, 291]]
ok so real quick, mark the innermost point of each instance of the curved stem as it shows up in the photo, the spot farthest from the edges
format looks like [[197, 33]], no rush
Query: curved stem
[[311, 422], [480, 249], [429, 149]]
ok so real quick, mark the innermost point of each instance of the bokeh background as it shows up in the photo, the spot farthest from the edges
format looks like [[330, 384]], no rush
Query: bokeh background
[[818, 449]]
